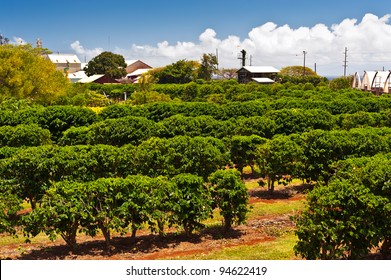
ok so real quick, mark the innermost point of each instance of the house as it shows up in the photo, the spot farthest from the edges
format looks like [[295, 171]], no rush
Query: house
[[259, 74], [98, 79], [133, 65], [67, 63], [135, 68], [135, 75], [77, 76]]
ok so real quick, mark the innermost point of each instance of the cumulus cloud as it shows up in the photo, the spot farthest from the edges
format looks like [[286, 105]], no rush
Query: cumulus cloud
[[367, 41], [83, 52], [18, 41]]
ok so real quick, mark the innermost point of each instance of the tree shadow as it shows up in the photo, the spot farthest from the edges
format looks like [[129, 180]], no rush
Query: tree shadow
[[144, 244], [285, 193]]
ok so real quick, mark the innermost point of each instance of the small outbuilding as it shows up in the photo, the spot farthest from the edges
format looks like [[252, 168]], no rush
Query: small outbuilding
[[259, 74], [135, 68]]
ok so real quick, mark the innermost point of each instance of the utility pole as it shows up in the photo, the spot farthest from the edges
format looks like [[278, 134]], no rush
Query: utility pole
[[304, 53], [345, 62], [243, 57]]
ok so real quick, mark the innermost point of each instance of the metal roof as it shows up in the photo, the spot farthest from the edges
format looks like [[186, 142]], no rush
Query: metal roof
[[261, 69], [138, 72], [63, 58], [263, 80], [90, 79]]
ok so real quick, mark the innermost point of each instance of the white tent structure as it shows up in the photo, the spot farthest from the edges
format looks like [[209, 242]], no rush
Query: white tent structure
[[387, 84], [379, 80], [367, 80], [356, 81]]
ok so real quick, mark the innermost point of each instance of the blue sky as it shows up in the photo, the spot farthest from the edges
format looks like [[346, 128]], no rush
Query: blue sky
[[150, 30]]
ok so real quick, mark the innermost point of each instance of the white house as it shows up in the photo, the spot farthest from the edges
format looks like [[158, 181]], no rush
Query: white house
[[67, 63]]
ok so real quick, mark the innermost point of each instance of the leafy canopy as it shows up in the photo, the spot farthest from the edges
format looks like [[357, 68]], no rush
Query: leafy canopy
[[25, 74], [108, 63]]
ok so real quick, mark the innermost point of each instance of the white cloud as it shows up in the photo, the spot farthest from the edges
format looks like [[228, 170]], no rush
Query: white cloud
[[367, 41], [18, 41], [85, 53]]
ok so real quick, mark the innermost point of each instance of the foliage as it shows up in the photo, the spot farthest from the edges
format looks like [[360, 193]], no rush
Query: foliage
[[243, 150], [24, 135], [61, 212], [340, 83], [121, 131], [25, 74], [230, 196], [180, 72], [10, 204], [193, 202], [107, 63], [144, 97], [297, 71], [208, 66], [278, 158], [342, 220]]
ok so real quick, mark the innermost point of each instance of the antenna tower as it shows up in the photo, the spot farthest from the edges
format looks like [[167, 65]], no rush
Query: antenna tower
[[345, 62]]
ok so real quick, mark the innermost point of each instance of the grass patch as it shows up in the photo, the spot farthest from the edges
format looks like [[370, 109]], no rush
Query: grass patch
[[279, 249], [276, 208]]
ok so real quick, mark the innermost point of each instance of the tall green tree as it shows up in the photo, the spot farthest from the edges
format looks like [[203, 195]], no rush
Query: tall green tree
[[208, 66], [180, 72], [108, 63], [25, 74]]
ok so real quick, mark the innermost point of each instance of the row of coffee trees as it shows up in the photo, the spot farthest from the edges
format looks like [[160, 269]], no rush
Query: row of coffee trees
[[172, 165]]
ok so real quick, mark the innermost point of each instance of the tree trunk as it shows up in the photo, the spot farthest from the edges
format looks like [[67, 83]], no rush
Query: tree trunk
[[386, 248], [160, 225], [272, 186], [70, 236], [106, 233], [33, 203], [227, 224], [133, 238]]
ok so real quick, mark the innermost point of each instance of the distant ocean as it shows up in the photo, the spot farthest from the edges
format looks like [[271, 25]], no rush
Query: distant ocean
[[332, 77]]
